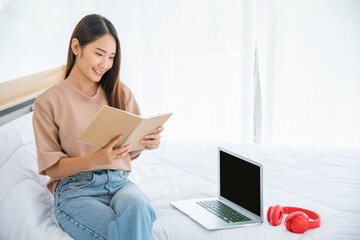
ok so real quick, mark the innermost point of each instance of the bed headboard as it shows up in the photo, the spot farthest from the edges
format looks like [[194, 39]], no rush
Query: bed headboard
[[18, 95]]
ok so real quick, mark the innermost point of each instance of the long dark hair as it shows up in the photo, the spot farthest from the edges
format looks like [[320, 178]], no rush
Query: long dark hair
[[89, 29]]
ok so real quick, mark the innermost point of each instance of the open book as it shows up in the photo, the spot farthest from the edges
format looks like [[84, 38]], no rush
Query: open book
[[111, 122]]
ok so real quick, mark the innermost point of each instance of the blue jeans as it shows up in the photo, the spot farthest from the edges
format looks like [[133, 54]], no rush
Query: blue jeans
[[103, 204]]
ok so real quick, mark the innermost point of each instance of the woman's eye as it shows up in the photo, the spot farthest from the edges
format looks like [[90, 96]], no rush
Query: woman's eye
[[112, 58], [98, 54]]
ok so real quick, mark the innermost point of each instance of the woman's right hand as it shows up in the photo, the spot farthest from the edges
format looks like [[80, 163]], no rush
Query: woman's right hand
[[108, 155]]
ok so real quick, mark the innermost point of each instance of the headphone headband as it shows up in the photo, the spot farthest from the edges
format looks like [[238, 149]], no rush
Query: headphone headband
[[313, 215], [298, 220]]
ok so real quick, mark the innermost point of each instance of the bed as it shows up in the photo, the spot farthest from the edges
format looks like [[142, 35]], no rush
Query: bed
[[325, 180]]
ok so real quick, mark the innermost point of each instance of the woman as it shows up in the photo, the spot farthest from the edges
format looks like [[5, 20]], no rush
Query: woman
[[93, 197]]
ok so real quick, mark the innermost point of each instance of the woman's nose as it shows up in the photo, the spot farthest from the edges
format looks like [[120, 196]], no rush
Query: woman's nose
[[104, 63]]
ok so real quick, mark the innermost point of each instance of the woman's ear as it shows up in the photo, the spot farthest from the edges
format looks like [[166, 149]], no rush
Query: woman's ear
[[75, 46]]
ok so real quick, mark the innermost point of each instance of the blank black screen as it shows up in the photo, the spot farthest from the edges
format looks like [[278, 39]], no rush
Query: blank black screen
[[240, 182]]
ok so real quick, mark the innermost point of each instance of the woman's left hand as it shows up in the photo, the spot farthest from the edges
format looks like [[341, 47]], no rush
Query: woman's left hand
[[152, 141]]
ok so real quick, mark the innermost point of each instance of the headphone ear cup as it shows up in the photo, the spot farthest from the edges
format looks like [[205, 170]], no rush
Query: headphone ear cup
[[275, 215], [268, 213], [297, 222]]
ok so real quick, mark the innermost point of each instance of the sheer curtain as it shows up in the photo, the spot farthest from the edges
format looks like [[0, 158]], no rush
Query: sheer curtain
[[197, 59], [194, 58], [308, 55]]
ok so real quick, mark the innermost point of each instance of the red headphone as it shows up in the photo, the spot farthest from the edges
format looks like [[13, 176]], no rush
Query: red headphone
[[297, 221]]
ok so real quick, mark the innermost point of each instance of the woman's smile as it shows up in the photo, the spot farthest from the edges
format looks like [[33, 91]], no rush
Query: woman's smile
[[98, 72]]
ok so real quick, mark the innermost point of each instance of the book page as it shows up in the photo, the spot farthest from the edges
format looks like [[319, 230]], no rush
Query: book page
[[109, 123], [147, 126]]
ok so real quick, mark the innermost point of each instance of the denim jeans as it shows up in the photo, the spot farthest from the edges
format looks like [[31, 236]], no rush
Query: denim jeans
[[103, 204]]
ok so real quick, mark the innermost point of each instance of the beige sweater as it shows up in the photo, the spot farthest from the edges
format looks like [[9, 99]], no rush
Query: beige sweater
[[61, 114]]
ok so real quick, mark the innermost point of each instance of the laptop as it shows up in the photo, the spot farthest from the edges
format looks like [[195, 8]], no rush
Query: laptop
[[240, 195]]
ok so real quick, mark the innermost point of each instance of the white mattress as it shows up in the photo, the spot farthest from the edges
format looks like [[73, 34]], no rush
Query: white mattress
[[325, 180]]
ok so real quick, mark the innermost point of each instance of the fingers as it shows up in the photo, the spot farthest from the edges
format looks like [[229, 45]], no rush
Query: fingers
[[152, 141], [149, 147], [113, 142], [150, 144], [121, 152], [154, 135]]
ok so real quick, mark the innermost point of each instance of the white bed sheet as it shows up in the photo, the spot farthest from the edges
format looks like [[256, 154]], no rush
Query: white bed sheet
[[325, 180]]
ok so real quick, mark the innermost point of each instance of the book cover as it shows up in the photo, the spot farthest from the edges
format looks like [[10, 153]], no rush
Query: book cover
[[111, 122]]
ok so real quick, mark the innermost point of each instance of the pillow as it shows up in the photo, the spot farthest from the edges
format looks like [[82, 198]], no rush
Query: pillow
[[14, 134]]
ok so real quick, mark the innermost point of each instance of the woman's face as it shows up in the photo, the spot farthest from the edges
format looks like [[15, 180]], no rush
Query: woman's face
[[94, 59]]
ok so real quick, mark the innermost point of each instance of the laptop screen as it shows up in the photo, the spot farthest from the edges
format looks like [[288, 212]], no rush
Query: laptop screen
[[240, 182]]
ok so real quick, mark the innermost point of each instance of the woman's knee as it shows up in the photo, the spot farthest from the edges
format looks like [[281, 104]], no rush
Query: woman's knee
[[141, 204], [133, 201]]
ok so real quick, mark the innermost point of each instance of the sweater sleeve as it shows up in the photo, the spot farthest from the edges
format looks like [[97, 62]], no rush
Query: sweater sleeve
[[133, 107], [131, 103], [48, 148]]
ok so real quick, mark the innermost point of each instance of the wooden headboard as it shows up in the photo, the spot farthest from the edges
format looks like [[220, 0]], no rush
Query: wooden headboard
[[20, 93]]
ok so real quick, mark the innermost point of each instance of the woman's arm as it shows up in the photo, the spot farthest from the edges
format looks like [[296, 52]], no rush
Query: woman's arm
[[69, 166]]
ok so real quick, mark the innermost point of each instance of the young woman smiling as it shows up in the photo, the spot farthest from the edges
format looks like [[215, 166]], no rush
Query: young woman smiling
[[94, 199]]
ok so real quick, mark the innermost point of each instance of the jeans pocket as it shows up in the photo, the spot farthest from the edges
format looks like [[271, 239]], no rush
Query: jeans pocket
[[77, 181]]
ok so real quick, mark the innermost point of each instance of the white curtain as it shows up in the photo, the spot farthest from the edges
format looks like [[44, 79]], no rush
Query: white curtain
[[309, 56], [197, 59], [194, 58]]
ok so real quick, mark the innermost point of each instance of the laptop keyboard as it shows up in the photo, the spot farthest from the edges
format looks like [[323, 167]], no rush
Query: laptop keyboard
[[223, 211]]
